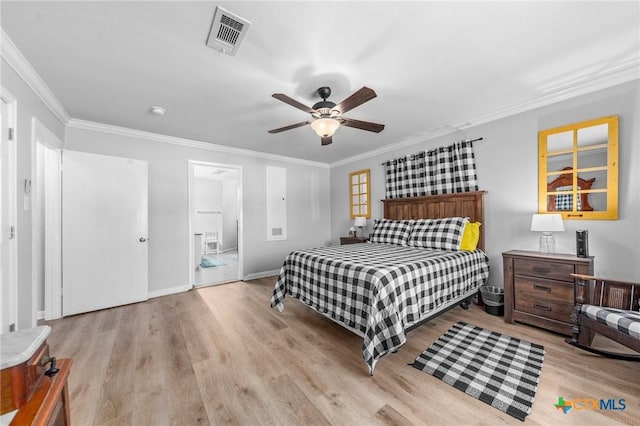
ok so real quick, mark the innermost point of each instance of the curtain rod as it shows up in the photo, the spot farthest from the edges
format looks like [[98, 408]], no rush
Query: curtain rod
[[464, 140]]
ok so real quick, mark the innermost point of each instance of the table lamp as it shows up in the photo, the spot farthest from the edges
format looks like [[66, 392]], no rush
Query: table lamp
[[360, 222], [547, 223]]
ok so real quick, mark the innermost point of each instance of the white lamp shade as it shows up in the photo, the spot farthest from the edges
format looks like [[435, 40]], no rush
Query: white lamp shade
[[360, 222], [547, 223], [325, 126]]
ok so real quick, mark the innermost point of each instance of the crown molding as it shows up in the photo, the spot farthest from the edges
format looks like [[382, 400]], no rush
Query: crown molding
[[10, 52], [623, 76], [75, 123]]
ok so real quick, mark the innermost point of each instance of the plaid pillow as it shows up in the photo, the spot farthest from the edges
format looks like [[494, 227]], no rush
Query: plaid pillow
[[438, 234], [388, 231]]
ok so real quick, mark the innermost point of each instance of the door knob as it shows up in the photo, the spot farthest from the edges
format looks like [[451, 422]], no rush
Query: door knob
[[142, 239]]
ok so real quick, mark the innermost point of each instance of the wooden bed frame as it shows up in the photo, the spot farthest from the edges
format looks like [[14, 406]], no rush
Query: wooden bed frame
[[467, 204], [464, 204]]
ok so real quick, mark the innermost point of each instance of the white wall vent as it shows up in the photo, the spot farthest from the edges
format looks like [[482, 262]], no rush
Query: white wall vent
[[227, 31]]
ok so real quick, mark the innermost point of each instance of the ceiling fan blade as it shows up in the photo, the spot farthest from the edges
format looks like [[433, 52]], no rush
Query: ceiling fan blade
[[290, 126], [357, 98], [289, 100], [326, 140], [363, 125]]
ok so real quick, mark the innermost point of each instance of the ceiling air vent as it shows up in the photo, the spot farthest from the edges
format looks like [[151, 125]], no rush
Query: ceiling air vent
[[227, 31]]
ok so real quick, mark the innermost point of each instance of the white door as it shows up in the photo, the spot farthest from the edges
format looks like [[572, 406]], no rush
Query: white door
[[104, 232], [8, 256]]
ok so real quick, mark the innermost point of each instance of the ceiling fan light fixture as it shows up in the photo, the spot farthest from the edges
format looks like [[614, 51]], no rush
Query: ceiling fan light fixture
[[325, 126]]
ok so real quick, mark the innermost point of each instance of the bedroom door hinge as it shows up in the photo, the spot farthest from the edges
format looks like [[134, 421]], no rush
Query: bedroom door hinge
[[12, 232], [10, 133]]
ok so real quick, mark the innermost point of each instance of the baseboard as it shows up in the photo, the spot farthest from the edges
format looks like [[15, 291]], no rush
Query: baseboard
[[263, 274], [40, 315], [167, 291]]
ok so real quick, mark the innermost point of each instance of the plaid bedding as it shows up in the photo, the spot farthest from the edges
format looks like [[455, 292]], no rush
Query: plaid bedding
[[378, 290], [565, 201]]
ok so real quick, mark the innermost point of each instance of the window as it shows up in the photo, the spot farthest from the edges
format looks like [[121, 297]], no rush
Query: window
[[359, 189]]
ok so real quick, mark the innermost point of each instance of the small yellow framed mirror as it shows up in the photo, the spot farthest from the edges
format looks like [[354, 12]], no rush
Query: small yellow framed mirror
[[359, 191], [578, 169]]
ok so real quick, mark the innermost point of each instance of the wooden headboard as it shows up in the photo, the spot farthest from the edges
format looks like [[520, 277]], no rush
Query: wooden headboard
[[464, 204]]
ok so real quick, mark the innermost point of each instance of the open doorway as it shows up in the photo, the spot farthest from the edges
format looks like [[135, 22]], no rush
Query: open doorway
[[215, 223], [46, 237]]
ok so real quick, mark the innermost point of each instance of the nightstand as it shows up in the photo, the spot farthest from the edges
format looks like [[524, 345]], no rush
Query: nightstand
[[352, 240], [539, 288]]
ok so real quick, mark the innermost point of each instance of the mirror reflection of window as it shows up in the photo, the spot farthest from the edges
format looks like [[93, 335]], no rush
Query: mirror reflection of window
[[594, 135], [560, 142]]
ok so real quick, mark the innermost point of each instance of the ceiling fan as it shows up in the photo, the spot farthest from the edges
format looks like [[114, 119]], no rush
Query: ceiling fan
[[327, 116]]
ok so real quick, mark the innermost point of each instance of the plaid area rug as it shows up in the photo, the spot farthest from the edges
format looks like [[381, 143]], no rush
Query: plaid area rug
[[499, 370]]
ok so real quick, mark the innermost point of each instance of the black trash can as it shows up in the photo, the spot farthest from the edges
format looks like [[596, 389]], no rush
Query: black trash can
[[493, 298]]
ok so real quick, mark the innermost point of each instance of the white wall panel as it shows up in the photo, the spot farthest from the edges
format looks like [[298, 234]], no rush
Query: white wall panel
[[276, 191]]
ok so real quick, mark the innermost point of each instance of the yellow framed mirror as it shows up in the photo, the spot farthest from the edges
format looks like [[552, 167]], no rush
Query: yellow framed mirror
[[359, 190], [578, 169]]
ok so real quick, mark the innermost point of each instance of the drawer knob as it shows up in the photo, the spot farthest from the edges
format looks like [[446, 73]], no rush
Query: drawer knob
[[53, 370], [542, 307], [542, 287], [540, 269]]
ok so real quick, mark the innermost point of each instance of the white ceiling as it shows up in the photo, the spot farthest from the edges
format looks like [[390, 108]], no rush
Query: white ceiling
[[437, 67]]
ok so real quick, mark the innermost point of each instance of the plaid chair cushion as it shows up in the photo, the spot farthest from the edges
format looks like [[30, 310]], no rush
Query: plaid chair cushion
[[627, 322], [438, 234], [388, 231]]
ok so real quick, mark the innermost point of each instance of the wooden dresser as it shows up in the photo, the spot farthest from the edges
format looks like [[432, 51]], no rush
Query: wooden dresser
[[34, 390], [539, 288]]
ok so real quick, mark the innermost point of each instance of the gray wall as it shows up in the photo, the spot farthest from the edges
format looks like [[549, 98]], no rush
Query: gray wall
[[28, 105], [308, 207], [508, 169]]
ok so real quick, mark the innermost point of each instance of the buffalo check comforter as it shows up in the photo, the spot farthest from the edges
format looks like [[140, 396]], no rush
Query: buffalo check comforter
[[378, 291]]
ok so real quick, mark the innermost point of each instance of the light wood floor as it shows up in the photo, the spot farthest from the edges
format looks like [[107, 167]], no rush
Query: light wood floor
[[220, 355]]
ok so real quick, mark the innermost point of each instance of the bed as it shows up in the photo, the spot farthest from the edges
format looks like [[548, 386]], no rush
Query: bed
[[382, 289]]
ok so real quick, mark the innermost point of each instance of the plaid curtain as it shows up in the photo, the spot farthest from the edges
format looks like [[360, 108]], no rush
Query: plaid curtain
[[405, 177], [443, 170]]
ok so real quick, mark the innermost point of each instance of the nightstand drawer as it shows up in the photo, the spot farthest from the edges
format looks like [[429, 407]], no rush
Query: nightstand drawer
[[550, 299], [352, 240], [542, 269]]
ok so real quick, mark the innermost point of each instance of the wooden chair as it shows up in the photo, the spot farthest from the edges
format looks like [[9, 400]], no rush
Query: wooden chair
[[609, 308]]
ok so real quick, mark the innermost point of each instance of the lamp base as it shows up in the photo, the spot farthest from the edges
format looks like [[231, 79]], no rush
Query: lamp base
[[547, 243]]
